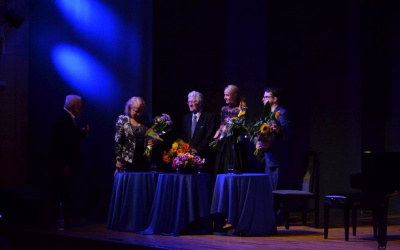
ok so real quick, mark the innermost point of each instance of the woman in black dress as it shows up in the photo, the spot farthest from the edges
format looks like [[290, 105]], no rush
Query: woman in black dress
[[229, 151]]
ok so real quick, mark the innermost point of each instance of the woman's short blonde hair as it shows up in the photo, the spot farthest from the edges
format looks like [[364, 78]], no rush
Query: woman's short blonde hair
[[134, 101]]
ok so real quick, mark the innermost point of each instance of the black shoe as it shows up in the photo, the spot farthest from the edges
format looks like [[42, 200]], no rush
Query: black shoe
[[224, 229], [219, 229]]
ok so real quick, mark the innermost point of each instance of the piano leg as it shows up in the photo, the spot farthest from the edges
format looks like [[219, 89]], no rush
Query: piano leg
[[381, 213]]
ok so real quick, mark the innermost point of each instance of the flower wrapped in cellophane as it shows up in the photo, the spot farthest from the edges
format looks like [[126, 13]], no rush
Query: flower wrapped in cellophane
[[161, 124], [235, 126], [264, 129]]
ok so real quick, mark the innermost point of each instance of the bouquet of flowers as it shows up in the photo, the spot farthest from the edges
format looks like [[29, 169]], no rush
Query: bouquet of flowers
[[187, 161], [236, 126], [160, 126], [179, 147], [264, 130]]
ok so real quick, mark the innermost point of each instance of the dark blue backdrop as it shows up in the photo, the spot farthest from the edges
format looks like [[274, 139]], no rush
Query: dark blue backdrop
[[333, 59]]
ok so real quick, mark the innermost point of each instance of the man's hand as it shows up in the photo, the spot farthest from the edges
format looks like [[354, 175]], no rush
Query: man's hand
[[264, 145], [85, 129]]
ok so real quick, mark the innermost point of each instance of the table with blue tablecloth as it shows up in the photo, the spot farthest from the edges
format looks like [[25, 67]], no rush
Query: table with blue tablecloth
[[131, 201], [246, 201], [181, 205]]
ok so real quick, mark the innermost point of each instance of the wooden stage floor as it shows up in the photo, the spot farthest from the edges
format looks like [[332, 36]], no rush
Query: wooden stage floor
[[95, 236]]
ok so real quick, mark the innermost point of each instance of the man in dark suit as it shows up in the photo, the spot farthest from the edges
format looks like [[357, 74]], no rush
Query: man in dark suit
[[198, 129], [65, 152], [278, 153]]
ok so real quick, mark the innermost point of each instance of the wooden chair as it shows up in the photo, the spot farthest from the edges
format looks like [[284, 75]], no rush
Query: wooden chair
[[310, 191]]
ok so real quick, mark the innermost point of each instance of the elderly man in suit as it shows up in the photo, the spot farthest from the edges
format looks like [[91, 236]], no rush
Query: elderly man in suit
[[65, 151], [198, 129]]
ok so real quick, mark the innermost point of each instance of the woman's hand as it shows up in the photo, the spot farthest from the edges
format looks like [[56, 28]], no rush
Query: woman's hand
[[217, 134], [118, 165], [221, 130], [152, 142]]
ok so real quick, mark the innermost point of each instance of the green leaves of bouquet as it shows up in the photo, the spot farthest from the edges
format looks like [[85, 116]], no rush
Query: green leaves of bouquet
[[238, 127]]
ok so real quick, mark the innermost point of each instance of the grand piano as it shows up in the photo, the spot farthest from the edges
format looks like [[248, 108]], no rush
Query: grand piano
[[379, 179]]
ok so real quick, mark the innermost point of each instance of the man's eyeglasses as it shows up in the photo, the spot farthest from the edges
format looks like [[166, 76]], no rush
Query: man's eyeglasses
[[266, 97]]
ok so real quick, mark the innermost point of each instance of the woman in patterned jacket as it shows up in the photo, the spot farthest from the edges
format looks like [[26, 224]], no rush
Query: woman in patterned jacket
[[130, 137]]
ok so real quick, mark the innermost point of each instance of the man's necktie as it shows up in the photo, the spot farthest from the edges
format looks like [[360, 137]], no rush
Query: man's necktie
[[194, 122]]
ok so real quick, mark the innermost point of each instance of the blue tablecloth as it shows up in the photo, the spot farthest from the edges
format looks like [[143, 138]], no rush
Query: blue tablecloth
[[131, 201], [246, 200], [181, 205]]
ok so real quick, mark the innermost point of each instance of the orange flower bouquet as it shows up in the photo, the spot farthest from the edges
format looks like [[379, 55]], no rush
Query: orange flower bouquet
[[179, 147]]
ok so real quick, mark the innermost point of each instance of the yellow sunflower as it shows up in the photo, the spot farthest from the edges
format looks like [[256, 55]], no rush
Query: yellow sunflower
[[242, 113], [277, 114], [264, 128]]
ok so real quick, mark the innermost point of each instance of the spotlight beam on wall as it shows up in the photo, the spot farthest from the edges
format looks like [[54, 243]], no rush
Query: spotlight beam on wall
[[84, 73], [92, 19]]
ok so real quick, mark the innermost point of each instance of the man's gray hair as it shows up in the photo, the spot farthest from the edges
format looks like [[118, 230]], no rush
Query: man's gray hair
[[71, 100], [197, 96]]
